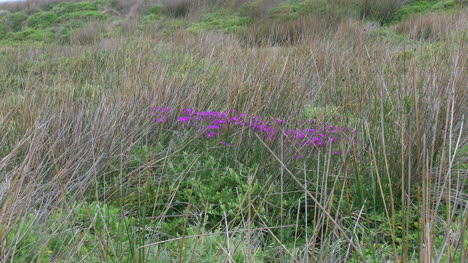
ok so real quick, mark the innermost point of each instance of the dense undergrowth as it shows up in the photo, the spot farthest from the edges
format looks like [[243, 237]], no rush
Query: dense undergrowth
[[233, 131]]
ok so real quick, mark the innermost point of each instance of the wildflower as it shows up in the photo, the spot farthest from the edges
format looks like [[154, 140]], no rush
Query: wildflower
[[224, 143], [280, 121], [219, 121], [187, 111], [211, 134], [183, 119]]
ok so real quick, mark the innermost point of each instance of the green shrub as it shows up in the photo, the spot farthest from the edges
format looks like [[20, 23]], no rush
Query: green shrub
[[23, 237], [209, 185], [13, 22], [41, 19], [56, 238], [63, 8], [2, 29], [153, 13], [102, 216], [221, 21], [177, 8], [420, 6], [81, 16], [154, 10], [59, 22], [380, 10], [31, 34], [288, 10]]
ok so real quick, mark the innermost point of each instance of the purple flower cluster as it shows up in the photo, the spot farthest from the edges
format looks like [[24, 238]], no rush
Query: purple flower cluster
[[304, 137]]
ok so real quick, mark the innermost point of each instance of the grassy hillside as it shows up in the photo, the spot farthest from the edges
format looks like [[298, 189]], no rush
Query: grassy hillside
[[233, 131]]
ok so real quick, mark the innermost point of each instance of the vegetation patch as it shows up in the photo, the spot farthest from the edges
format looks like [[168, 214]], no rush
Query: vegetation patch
[[221, 21], [288, 10], [418, 7], [308, 135], [153, 13], [55, 22]]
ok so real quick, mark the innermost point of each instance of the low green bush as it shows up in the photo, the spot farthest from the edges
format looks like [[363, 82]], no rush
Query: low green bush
[[209, 189], [31, 34], [80, 17], [41, 19], [288, 10], [63, 8], [13, 22], [221, 21], [56, 22], [419, 6], [153, 13], [90, 224]]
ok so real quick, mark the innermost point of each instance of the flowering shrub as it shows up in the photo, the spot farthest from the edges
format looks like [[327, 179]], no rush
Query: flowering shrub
[[301, 138]]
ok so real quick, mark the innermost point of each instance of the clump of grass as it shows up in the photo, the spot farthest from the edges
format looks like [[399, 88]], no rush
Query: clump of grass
[[257, 9], [434, 26], [380, 10], [13, 22]]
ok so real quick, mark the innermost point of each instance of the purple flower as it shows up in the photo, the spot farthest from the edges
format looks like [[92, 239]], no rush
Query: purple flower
[[211, 134], [263, 128], [183, 119], [224, 143], [212, 127], [280, 121], [159, 120], [187, 111], [219, 121]]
